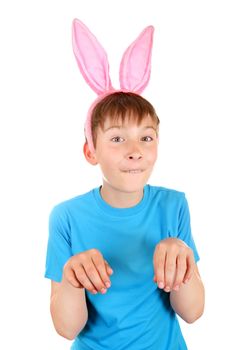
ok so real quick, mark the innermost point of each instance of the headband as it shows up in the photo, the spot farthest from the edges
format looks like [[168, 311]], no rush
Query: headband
[[135, 66]]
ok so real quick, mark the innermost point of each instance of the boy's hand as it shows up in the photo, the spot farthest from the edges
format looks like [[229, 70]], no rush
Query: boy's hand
[[88, 270], [173, 264]]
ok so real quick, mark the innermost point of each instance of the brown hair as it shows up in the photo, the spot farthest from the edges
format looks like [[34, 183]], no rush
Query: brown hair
[[120, 105]]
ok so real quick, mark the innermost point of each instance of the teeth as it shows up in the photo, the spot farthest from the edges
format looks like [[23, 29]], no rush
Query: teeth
[[136, 171]]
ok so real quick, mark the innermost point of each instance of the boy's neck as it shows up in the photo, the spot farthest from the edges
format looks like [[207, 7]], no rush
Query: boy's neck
[[119, 199]]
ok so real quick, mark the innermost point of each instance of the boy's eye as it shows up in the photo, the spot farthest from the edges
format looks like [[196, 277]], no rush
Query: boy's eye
[[147, 138], [117, 139]]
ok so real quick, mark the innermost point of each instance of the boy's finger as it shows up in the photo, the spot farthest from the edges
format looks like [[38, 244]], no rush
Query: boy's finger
[[190, 267], [181, 268], [170, 271], [159, 264], [109, 269], [84, 279], [71, 278], [101, 268]]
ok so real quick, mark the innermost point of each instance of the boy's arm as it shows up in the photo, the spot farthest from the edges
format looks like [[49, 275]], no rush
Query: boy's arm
[[188, 301], [68, 309], [87, 270], [176, 272]]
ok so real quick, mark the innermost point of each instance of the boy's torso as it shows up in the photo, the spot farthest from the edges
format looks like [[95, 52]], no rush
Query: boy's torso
[[134, 313]]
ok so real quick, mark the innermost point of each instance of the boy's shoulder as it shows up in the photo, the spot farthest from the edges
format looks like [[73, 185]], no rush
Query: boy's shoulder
[[166, 191], [167, 198]]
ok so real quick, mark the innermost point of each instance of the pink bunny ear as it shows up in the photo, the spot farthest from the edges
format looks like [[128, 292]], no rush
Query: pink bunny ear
[[91, 58], [135, 65]]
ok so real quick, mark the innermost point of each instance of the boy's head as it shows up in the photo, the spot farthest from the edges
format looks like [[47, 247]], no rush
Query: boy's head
[[119, 106], [124, 129]]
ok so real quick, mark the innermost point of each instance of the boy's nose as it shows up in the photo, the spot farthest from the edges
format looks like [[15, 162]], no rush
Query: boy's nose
[[133, 151], [134, 156]]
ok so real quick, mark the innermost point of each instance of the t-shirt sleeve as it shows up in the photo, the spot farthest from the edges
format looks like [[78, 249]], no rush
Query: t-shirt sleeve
[[184, 227], [59, 244]]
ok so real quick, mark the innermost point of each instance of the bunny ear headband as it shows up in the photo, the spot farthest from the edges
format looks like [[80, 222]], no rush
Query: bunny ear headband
[[93, 63]]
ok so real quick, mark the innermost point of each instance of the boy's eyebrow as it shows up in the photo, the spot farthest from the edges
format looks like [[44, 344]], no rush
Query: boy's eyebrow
[[122, 127]]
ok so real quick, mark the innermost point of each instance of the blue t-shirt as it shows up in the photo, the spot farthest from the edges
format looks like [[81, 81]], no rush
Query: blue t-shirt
[[134, 314]]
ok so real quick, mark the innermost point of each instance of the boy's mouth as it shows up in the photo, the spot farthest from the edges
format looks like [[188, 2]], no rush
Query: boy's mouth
[[133, 171]]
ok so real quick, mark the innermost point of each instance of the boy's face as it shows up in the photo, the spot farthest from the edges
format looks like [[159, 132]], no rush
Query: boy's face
[[126, 153]]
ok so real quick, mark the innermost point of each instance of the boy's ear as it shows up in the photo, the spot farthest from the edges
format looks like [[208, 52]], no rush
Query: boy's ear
[[90, 156]]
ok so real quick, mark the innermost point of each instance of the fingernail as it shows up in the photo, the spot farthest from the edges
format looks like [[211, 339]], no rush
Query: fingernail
[[161, 285], [167, 289], [94, 291], [103, 290], [176, 288], [107, 284]]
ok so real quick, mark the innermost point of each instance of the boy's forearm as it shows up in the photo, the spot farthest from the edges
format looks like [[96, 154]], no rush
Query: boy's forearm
[[189, 301], [69, 310]]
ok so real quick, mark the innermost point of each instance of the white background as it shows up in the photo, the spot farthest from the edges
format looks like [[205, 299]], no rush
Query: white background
[[43, 103]]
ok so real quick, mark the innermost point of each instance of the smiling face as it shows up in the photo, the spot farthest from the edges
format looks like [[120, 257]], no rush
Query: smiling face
[[126, 152]]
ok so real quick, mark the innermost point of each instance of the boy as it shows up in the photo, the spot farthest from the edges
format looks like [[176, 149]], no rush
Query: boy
[[121, 257]]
